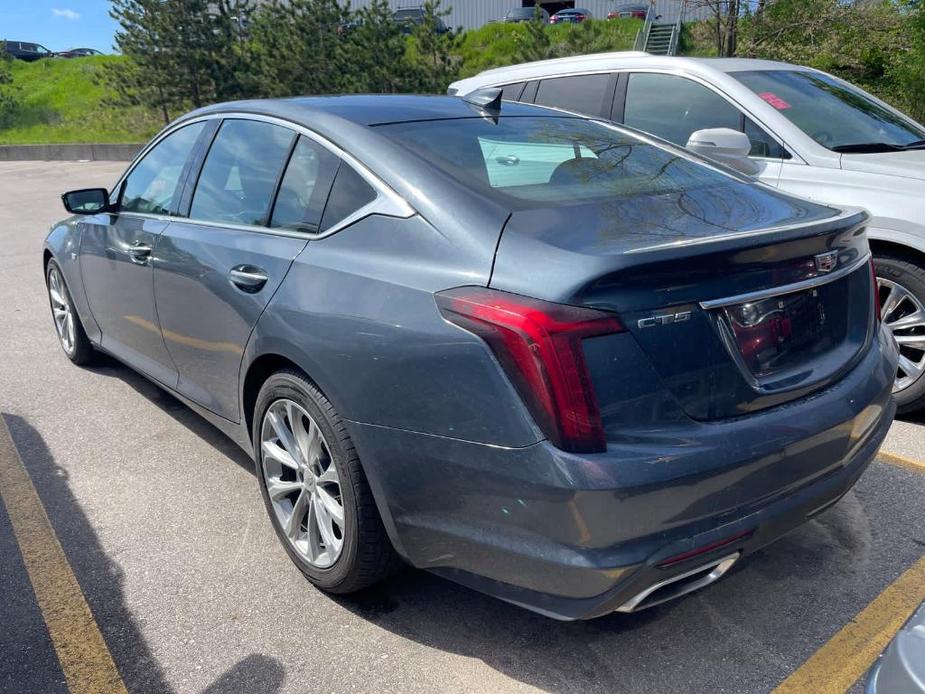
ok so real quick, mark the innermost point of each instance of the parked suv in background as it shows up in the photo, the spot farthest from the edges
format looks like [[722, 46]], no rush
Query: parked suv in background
[[27, 51], [808, 133]]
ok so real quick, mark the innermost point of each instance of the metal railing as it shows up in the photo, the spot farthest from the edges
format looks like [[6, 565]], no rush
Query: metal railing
[[643, 34], [676, 34]]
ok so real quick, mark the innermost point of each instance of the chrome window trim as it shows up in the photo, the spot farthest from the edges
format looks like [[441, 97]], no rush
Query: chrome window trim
[[788, 288], [387, 202]]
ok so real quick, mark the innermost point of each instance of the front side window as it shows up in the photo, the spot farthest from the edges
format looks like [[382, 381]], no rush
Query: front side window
[[835, 114], [304, 188], [673, 108], [545, 161], [240, 173], [581, 94], [763, 145], [152, 186]]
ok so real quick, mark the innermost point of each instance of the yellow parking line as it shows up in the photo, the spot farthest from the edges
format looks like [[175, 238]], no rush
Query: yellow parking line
[[85, 660], [901, 461], [847, 656]]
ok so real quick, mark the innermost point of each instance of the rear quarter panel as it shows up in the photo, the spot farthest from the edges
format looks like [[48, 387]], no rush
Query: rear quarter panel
[[357, 313]]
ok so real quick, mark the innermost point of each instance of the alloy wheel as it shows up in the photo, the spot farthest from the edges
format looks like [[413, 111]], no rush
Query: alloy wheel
[[62, 310], [302, 483], [903, 313]]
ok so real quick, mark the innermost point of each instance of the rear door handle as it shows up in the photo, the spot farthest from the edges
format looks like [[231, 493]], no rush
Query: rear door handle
[[248, 278], [139, 253]]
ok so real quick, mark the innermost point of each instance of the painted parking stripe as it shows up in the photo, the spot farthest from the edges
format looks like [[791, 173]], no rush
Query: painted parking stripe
[[82, 653], [902, 461], [845, 658]]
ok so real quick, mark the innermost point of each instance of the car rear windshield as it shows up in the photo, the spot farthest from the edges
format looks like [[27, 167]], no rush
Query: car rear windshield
[[832, 112], [528, 161]]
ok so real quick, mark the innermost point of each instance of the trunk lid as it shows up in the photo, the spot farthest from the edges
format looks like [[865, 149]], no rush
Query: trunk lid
[[739, 299]]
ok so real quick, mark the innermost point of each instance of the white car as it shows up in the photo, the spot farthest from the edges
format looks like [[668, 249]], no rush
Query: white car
[[795, 128]]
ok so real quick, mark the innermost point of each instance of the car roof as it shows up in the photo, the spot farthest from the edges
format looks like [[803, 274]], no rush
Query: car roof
[[365, 109], [618, 60]]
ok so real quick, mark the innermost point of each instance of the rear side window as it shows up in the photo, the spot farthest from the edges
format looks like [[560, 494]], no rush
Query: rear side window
[[542, 161], [240, 173], [152, 185], [304, 188], [672, 107], [582, 94], [512, 92], [349, 193]]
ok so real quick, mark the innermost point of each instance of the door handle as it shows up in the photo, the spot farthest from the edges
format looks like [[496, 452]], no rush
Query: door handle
[[139, 253], [248, 278]]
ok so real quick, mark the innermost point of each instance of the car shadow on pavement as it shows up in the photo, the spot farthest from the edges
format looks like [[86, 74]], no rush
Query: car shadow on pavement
[[112, 368], [750, 616], [101, 580]]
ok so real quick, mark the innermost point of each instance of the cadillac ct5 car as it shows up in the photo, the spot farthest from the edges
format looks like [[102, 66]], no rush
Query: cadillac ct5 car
[[553, 359], [799, 129]]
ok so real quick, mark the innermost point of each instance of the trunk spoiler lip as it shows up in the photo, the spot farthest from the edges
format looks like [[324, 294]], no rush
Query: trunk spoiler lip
[[781, 290], [853, 216]]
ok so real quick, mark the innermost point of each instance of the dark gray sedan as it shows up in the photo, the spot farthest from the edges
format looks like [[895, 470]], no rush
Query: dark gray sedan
[[550, 358]]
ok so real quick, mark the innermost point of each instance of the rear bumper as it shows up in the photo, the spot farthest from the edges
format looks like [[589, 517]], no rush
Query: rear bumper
[[578, 536]]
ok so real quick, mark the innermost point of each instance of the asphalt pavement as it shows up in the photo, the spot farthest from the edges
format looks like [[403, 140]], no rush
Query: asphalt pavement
[[162, 525]]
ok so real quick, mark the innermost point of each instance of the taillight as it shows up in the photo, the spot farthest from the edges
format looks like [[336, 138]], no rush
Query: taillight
[[876, 289], [538, 344]]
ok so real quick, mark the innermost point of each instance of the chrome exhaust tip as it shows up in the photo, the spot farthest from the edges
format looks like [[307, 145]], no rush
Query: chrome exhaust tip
[[679, 585]]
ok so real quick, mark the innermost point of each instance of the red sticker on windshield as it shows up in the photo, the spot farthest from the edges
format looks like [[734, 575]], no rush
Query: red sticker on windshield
[[774, 100]]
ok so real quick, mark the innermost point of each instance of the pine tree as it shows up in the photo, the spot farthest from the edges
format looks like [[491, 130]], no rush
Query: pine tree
[[435, 45], [179, 53]]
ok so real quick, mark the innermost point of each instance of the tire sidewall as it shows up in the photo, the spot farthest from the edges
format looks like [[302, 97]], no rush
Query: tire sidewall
[[912, 277], [54, 267], [289, 386]]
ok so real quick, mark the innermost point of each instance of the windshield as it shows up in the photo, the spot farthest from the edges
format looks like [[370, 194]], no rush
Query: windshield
[[541, 161], [833, 113]]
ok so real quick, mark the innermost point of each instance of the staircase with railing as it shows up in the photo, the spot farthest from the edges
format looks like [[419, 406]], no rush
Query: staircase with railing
[[660, 38]]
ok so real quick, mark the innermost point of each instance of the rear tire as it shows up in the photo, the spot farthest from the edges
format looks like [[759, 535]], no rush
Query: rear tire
[[902, 284], [71, 334], [337, 558]]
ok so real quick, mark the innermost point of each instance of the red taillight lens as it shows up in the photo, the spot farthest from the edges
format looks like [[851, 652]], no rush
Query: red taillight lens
[[876, 289], [539, 345]]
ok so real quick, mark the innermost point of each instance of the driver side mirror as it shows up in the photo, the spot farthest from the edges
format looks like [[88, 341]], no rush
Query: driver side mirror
[[86, 201], [727, 146]]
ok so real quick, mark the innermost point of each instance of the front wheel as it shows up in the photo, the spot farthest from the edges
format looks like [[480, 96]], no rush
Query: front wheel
[[71, 335], [314, 488], [902, 300]]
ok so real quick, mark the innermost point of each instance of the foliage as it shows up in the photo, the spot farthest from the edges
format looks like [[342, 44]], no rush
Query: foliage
[[65, 101], [181, 53], [432, 51], [907, 71], [870, 43], [499, 44], [8, 101]]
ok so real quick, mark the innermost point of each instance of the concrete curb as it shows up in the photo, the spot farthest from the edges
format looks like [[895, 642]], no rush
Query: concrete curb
[[92, 152]]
